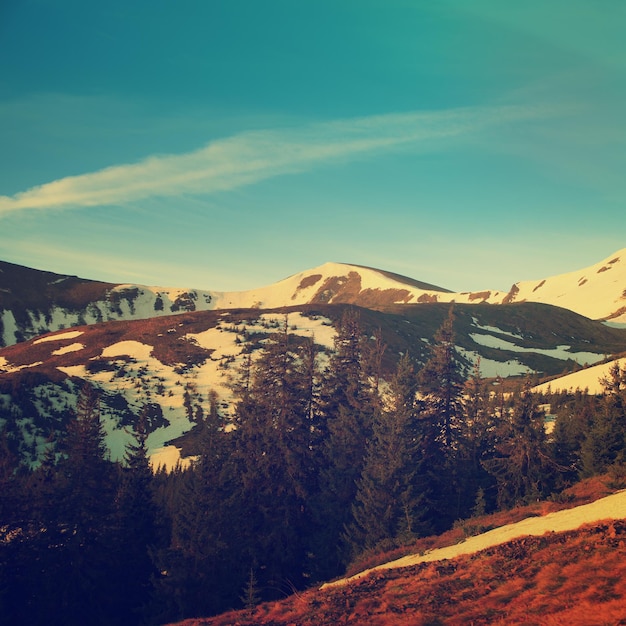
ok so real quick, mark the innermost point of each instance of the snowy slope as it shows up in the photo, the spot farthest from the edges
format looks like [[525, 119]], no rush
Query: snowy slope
[[170, 364], [25, 316], [334, 283], [587, 379], [33, 302], [597, 292], [610, 507]]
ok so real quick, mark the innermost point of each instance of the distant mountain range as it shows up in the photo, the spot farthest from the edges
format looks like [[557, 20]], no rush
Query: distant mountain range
[[33, 302], [168, 348]]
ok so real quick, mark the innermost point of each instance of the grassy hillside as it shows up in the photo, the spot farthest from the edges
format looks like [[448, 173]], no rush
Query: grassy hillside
[[575, 578]]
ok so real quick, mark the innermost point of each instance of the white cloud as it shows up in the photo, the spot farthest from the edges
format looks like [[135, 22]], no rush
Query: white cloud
[[249, 157]]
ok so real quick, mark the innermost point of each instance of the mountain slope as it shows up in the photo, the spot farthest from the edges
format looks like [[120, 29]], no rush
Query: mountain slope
[[171, 364], [609, 507], [598, 291], [538, 572], [33, 302], [585, 379]]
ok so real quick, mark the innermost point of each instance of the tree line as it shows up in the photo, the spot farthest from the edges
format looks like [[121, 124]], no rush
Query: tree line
[[322, 462]]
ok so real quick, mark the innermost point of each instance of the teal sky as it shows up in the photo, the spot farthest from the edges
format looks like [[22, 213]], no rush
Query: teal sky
[[226, 144]]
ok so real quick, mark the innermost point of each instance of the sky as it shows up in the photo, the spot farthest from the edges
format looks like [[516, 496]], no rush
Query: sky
[[227, 144]]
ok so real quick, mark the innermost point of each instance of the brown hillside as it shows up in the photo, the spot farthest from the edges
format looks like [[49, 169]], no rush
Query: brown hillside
[[573, 578]]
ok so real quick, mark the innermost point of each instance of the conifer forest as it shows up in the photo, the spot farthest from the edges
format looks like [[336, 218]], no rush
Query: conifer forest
[[323, 462]]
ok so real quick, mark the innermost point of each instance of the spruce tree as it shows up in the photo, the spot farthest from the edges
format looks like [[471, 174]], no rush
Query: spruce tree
[[441, 387], [522, 466], [441, 383], [575, 417], [476, 445], [275, 462], [88, 486], [73, 514], [347, 410], [136, 528], [202, 568], [391, 494], [605, 444]]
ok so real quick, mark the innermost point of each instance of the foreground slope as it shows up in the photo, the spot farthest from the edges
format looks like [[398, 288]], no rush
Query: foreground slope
[[566, 567], [610, 507]]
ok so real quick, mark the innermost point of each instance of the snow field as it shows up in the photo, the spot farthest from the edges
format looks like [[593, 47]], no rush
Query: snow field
[[561, 352], [492, 369], [9, 326], [73, 347]]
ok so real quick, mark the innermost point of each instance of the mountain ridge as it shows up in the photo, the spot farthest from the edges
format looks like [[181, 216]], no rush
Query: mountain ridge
[[33, 302]]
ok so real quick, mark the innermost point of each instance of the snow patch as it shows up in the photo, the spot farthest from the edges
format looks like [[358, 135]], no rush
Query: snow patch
[[492, 369], [9, 326], [68, 335], [79, 371], [560, 352], [494, 329], [73, 347], [133, 349], [168, 457]]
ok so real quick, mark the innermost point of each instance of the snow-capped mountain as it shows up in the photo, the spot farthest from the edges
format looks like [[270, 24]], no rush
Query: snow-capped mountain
[[597, 292], [168, 348], [34, 302]]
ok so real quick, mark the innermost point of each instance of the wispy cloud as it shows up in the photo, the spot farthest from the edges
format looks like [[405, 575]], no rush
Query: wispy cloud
[[249, 157]]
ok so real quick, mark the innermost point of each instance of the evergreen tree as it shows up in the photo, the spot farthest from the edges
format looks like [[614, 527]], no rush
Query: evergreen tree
[[477, 444], [202, 575], [575, 415], [86, 490], [441, 382], [389, 499], [136, 528], [522, 466], [71, 566], [605, 444], [275, 462], [13, 518], [441, 386], [347, 407]]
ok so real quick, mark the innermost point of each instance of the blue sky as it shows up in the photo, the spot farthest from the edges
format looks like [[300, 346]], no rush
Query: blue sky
[[227, 144]]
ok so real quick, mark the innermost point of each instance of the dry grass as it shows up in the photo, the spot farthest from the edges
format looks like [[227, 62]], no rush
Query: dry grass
[[582, 492], [574, 578]]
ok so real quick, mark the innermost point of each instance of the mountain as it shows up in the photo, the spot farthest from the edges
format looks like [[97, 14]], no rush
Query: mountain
[[171, 364], [169, 348], [174, 356], [597, 292], [34, 302]]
